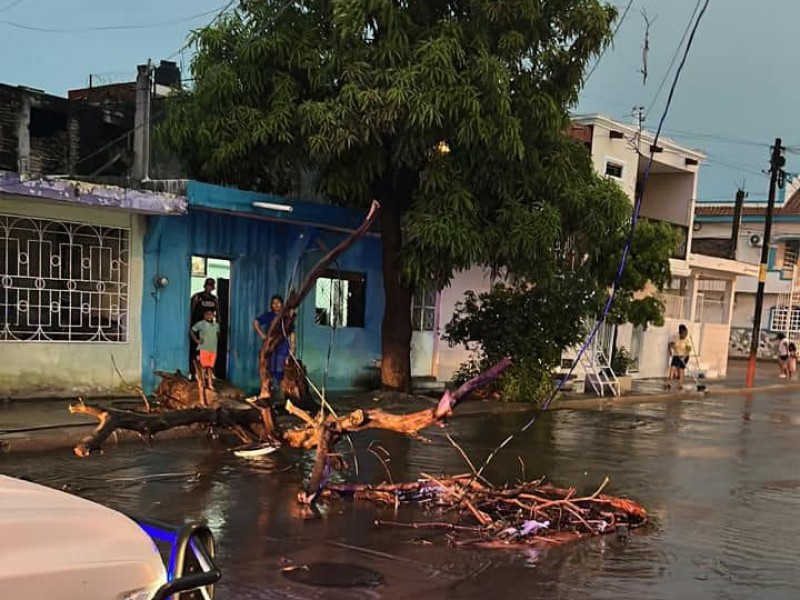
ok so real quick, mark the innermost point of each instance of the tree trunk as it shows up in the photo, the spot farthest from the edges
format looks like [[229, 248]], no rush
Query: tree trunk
[[396, 327]]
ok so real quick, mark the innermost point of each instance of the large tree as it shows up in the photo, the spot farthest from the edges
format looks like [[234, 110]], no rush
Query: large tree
[[451, 113]]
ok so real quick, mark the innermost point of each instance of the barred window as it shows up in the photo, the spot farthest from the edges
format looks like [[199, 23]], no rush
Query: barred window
[[62, 281], [340, 299], [780, 315], [423, 310]]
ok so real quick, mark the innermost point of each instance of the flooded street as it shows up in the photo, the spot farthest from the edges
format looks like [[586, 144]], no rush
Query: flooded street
[[720, 477]]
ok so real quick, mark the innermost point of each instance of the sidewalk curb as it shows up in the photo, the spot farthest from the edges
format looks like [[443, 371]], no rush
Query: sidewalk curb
[[589, 403]]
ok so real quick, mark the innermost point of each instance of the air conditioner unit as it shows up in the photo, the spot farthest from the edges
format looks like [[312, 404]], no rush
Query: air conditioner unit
[[756, 240]]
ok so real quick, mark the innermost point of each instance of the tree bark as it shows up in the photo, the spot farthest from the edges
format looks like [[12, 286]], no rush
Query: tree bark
[[396, 326]]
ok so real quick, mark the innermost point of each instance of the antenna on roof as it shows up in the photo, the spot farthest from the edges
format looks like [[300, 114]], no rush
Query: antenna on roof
[[646, 48]]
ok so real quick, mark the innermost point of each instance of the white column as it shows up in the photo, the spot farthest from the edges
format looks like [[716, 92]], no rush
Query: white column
[[694, 287], [728, 300]]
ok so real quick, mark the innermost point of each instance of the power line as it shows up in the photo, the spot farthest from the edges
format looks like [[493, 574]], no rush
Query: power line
[[220, 12], [625, 252], [11, 5], [674, 58], [126, 27], [613, 36]]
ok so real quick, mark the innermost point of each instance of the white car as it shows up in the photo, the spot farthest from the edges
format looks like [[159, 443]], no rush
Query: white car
[[57, 546]]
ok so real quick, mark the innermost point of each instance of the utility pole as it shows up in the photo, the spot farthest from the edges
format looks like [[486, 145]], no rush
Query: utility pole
[[737, 222], [777, 177]]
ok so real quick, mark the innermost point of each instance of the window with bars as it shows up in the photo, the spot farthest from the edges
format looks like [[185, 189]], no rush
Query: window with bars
[[791, 250], [63, 281], [423, 310], [780, 319], [340, 299]]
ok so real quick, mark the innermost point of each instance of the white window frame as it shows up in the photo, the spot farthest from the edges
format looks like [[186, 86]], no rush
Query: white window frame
[[778, 317]]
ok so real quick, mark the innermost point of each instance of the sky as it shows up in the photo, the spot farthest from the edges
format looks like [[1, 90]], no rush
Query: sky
[[734, 97]]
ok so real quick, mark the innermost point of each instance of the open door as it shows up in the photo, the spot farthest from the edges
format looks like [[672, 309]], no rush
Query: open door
[[219, 270], [223, 318]]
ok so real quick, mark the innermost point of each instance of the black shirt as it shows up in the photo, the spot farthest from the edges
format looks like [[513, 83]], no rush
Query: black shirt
[[201, 302]]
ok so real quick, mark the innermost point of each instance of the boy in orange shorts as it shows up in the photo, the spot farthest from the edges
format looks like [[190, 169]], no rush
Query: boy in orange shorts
[[205, 334]]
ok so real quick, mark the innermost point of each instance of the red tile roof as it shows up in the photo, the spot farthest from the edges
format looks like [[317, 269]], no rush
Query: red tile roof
[[790, 207]]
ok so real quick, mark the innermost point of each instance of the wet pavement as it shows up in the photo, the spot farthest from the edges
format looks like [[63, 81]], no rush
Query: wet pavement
[[720, 476]]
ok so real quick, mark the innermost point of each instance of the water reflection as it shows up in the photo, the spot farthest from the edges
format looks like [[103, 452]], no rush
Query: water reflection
[[721, 478]]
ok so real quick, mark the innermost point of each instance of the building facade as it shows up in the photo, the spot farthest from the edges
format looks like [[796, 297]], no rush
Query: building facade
[[715, 234], [71, 274], [702, 292], [255, 246]]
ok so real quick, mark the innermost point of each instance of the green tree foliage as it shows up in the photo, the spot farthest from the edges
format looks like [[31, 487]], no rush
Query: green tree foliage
[[360, 93], [535, 323]]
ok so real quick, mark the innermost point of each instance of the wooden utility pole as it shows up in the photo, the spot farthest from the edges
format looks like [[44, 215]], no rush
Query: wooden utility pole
[[777, 177], [737, 223]]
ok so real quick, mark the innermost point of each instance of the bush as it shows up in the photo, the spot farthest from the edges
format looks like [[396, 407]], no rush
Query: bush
[[533, 325]]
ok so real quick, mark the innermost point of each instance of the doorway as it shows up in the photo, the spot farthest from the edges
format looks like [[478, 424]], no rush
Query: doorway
[[218, 269], [423, 325]]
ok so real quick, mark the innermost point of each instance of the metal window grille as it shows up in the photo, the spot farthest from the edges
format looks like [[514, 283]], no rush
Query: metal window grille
[[340, 299], [781, 321], [63, 281]]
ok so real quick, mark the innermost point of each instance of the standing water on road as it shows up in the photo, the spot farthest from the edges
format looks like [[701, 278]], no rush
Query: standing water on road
[[720, 478]]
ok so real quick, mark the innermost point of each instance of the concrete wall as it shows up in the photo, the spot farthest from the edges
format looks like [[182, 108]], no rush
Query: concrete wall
[[446, 360], [605, 149], [714, 348], [42, 368], [668, 197]]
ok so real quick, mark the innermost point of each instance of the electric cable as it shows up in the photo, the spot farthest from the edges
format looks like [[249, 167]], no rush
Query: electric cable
[[129, 27], [613, 35], [625, 253], [672, 62]]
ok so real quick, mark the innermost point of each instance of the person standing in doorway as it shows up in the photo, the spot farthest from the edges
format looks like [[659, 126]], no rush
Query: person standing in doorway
[[201, 302], [205, 334], [680, 350], [280, 356]]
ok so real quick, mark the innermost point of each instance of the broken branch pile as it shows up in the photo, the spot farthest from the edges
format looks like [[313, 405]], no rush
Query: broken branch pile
[[512, 517]]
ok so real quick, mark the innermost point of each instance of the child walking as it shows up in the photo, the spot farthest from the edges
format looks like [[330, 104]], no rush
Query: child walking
[[205, 334]]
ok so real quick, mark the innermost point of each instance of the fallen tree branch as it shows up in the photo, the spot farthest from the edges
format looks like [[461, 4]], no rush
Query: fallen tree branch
[[256, 423], [497, 518]]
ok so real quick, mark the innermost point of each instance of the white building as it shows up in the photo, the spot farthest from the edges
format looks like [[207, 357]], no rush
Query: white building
[[713, 230], [703, 288]]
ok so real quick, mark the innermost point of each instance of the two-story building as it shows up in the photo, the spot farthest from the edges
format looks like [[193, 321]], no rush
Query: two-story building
[[703, 286], [714, 233]]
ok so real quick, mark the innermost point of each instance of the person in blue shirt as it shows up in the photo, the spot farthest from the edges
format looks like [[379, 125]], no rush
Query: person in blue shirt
[[285, 348]]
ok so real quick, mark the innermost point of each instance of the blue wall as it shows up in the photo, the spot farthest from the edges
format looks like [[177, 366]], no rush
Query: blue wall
[[262, 255]]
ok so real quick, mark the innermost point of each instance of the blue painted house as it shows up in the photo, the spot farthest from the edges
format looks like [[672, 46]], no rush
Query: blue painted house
[[254, 245]]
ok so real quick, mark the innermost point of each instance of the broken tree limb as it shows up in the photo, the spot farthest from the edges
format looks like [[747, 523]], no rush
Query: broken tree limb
[[276, 333], [257, 423], [520, 517], [242, 422], [409, 424]]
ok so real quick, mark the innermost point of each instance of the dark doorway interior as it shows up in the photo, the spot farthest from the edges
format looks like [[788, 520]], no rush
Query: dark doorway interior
[[219, 270]]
